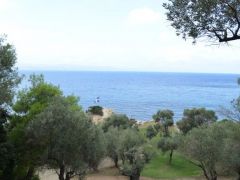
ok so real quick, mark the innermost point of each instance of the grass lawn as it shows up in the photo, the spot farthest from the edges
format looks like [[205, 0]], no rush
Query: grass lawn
[[180, 167]]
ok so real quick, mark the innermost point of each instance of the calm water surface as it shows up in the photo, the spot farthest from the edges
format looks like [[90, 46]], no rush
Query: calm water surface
[[141, 94]]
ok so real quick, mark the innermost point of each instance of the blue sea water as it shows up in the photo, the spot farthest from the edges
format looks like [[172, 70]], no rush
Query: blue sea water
[[141, 94]]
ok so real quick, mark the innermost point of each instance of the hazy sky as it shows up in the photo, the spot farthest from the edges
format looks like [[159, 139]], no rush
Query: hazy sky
[[125, 35]]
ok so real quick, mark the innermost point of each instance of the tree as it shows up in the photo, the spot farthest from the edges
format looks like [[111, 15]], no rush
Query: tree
[[29, 103], [194, 118], [168, 144], [203, 146], [96, 148], [96, 110], [9, 77], [165, 118], [133, 153], [9, 80], [151, 132], [230, 154], [214, 19], [69, 141], [112, 144], [119, 121]]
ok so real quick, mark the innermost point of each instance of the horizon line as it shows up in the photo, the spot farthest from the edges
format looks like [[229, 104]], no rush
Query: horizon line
[[127, 71]]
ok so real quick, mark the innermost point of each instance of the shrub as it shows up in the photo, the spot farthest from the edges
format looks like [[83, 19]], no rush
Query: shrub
[[96, 110]]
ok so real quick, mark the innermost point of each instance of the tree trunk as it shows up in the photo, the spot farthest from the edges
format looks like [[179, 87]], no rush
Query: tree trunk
[[238, 178], [170, 156], [205, 173], [61, 174], [135, 177], [213, 175], [30, 173], [67, 177], [116, 162]]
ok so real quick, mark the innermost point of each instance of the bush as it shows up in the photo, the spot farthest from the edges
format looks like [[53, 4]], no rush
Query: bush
[[96, 110]]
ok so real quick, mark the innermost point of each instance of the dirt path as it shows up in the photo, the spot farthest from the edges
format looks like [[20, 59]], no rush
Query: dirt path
[[97, 177]]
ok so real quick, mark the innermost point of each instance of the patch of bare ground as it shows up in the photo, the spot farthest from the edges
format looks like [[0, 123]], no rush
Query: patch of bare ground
[[96, 119]]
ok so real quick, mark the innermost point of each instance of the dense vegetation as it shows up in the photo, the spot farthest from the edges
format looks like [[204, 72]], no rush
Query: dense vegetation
[[42, 128], [95, 110]]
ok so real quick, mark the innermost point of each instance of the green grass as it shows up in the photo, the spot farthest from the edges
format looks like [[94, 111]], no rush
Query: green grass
[[159, 166], [180, 167]]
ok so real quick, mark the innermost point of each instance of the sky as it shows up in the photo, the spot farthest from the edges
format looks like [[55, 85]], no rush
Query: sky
[[107, 35]]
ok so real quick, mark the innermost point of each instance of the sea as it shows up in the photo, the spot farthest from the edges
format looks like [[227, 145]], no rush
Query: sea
[[141, 94]]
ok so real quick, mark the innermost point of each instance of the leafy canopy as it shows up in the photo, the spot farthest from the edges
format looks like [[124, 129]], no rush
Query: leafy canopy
[[194, 118], [119, 121], [165, 119], [69, 142], [203, 146], [215, 19], [9, 77]]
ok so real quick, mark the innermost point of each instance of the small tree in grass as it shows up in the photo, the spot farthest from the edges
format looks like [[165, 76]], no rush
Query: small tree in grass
[[168, 144]]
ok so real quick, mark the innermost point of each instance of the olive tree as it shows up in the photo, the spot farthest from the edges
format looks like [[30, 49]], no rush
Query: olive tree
[[230, 154], [133, 153], [165, 119], [203, 146], [194, 118], [68, 141], [96, 148], [215, 19], [112, 144], [169, 144]]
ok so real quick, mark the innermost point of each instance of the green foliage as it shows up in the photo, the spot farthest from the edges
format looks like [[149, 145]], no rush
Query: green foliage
[[118, 121], [29, 103], [168, 144], [112, 144], [217, 20], [204, 146], [96, 148], [165, 118], [67, 139], [96, 110], [194, 118], [134, 164], [34, 99], [151, 132], [230, 160], [133, 153], [9, 78]]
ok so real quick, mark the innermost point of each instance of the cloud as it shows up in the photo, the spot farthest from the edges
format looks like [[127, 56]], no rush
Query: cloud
[[143, 16]]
